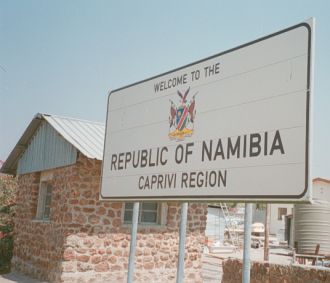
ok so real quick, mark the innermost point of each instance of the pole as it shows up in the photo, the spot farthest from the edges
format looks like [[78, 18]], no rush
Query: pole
[[247, 243], [266, 242], [182, 242], [131, 259]]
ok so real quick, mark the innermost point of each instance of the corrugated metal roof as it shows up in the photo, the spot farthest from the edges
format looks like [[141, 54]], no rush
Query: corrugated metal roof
[[47, 149], [86, 136]]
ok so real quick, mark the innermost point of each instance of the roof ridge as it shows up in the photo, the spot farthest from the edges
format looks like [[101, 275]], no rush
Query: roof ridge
[[72, 118]]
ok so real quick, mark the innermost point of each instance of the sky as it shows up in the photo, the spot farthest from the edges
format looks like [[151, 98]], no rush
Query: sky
[[63, 57]]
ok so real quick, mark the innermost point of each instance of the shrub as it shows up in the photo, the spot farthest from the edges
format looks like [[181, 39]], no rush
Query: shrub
[[6, 251], [8, 188]]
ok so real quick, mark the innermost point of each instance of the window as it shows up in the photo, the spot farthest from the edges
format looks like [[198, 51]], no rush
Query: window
[[44, 201], [149, 213], [281, 211]]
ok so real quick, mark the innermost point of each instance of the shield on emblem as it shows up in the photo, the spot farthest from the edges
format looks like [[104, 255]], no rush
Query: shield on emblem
[[181, 117]]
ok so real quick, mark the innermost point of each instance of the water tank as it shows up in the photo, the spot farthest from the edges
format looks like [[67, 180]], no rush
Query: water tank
[[312, 226]]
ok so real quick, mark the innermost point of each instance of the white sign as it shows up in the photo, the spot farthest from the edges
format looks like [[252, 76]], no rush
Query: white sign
[[234, 126]]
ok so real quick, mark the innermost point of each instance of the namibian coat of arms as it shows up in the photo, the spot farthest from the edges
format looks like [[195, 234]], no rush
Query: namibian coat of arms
[[182, 117]]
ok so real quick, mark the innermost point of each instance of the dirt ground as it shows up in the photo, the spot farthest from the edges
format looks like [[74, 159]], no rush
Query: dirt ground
[[14, 277]]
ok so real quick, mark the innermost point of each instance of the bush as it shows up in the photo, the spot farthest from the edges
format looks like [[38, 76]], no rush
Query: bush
[[6, 252], [6, 240], [8, 188]]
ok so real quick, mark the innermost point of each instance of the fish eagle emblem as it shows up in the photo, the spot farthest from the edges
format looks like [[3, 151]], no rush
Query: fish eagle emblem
[[182, 117]]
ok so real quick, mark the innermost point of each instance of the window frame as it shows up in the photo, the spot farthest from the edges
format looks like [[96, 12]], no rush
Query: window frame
[[161, 214], [45, 195], [280, 213]]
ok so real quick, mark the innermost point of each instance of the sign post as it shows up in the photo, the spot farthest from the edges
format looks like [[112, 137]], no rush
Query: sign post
[[247, 243], [132, 251], [182, 242]]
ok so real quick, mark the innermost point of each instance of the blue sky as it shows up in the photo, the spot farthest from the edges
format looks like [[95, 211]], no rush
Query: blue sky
[[63, 57]]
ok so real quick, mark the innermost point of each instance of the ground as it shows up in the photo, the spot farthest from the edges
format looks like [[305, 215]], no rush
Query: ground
[[17, 278]]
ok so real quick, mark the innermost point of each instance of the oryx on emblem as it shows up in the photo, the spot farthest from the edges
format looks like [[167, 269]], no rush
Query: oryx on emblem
[[182, 117]]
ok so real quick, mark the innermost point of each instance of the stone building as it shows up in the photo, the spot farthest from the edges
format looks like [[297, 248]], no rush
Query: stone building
[[64, 233]]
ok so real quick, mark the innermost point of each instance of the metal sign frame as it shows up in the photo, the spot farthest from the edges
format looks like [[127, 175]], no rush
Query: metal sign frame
[[303, 196]]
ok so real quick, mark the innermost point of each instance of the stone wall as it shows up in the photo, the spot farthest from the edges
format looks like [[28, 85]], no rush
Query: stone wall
[[274, 273], [86, 241]]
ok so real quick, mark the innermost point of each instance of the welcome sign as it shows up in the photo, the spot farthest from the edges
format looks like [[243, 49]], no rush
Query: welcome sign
[[234, 126]]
